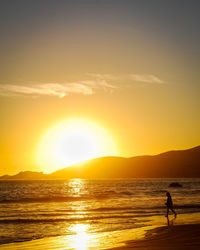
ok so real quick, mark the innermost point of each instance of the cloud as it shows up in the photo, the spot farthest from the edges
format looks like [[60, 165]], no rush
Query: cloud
[[54, 89], [145, 78], [104, 76], [94, 83]]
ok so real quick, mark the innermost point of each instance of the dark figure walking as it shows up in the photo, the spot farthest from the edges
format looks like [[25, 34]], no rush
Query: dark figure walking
[[169, 204]]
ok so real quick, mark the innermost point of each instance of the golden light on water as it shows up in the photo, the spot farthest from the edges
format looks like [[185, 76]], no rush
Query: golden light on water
[[76, 185], [73, 141], [81, 238]]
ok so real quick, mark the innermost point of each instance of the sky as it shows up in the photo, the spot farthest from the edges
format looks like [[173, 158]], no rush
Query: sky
[[130, 66]]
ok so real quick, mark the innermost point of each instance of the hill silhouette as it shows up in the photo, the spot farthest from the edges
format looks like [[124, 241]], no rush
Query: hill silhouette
[[25, 175], [172, 164]]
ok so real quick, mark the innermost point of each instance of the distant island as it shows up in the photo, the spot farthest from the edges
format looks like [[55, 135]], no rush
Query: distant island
[[172, 164]]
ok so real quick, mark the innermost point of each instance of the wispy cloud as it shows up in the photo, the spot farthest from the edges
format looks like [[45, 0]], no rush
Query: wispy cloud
[[94, 83], [145, 78], [110, 77], [55, 89]]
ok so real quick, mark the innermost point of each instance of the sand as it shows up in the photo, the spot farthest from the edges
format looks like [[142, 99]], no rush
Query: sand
[[181, 233], [180, 237]]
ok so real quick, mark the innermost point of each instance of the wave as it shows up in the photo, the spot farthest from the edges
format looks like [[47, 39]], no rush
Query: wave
[[126, 215], [52, 199], [53, 220], [105, 195], [143, 209], [100, 209]]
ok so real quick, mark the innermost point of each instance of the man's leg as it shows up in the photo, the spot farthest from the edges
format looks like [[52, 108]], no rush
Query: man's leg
[[167, 211], [173, 211]]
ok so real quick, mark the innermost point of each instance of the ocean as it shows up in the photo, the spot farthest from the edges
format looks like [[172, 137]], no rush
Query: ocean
[[45, 208]]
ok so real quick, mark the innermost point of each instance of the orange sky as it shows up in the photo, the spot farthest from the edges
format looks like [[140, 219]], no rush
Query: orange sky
[[129, 67]]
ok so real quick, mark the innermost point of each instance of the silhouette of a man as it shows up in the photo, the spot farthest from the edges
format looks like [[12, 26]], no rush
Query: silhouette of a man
[[169, 204]]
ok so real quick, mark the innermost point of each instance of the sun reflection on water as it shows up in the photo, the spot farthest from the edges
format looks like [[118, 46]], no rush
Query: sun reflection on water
[[81, 238], [77, 187]]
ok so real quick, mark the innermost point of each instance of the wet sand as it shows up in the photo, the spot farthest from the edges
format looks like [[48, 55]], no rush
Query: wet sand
[[179, 237]]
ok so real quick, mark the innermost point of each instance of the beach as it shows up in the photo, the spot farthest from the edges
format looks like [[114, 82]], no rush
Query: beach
[[176, 237], [98, 214], [181, 233]]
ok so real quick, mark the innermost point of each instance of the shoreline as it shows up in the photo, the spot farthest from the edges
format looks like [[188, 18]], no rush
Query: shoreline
[[176, 237], [181, 233]]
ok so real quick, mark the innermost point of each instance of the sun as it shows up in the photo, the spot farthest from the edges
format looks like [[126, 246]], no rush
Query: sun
[[73, 141]]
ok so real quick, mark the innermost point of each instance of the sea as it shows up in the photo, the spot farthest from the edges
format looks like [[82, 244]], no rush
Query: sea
[[32, 210]]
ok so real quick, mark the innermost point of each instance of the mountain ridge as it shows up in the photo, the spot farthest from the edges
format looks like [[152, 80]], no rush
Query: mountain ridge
[[170, 164]]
